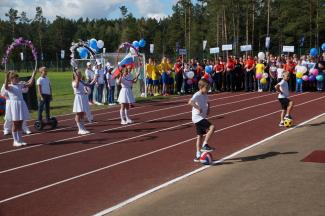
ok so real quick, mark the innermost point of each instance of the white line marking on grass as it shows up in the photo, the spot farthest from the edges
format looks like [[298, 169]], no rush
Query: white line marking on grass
[[159, 150], [123, 140], [152, 111], [76, 137]]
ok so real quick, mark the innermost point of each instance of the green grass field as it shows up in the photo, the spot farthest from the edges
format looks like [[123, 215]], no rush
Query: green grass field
[[63, 94]]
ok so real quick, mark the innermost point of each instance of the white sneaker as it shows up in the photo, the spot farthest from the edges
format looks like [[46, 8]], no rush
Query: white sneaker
[[129, 121], [124, 122], [17, 144], [23, 143], [5, 132], [142, 94], [83, 132], [27, 132]]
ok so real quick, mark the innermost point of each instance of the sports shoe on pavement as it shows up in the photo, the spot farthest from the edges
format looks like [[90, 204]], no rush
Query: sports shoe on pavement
[[196, 159], [123, 122], [17, 144], [27, 132], [206, 148], [281, 124], [129, 121]]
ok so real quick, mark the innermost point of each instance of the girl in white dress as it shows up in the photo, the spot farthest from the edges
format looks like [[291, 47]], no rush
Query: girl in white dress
[[80, 105], [17, 111], [126, 97]]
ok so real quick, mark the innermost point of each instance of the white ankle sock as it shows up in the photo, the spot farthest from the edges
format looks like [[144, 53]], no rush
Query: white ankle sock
[[14, 136], [19, 136], [198, 154], [126, 114], [122, 115], [79, 126]]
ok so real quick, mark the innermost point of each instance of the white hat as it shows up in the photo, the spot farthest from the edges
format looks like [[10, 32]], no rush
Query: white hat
[[88, 63]]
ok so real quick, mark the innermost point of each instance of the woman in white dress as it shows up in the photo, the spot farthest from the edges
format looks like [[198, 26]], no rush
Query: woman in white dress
[[126, 97], [17, 111], [80, 105]]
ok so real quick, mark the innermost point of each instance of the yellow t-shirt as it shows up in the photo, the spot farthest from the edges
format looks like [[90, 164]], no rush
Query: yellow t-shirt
[[163, 67], [155, 73], [149, 69], [260, 68]]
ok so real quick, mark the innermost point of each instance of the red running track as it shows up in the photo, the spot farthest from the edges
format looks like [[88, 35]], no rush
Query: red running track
[[60, 173]]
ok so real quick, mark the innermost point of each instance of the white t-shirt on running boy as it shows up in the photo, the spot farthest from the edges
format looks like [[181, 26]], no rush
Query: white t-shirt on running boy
[[202, 101]]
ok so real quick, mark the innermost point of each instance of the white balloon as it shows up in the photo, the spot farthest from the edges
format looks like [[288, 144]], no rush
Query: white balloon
[[265, 75], [100, 44], [261, 55], [303, 69], [190, 74]]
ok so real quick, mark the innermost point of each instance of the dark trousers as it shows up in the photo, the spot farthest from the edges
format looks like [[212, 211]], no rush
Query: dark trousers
[[99, 93], [230, 81], [249, 83], [44, 103], [110, 94], [91, 95], [273, 82], [292, 82], [217, 81], [179, 81]]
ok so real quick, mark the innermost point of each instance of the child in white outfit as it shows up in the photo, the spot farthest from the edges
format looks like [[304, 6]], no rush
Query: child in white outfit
[[17, 110], [126, 97]]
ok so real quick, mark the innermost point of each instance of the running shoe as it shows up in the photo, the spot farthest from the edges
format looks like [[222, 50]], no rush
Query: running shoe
[[281, 124], [17, 144], [196, 159], [207, 148]]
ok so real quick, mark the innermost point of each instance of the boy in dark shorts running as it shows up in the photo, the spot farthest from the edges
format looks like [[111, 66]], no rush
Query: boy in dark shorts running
[[286, 105], [200, 111]]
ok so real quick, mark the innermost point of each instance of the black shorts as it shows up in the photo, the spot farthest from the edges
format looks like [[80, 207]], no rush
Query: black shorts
[[202, 127], [284, 103]]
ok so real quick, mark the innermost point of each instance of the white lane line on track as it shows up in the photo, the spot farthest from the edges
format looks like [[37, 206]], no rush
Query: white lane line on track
[[180, 178], [152, 111], [154, 99], [159, 150], [123, 140], [124, 126]]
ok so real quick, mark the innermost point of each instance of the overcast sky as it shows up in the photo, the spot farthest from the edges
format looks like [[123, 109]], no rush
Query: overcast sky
[[89, 8]]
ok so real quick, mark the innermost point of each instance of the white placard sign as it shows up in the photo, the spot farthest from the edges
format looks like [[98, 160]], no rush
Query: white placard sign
[[214, 50], [226, 47], [182, 51], [22, 56], [204, 44], [288, 49], [246, 48], [62, 54], [152, 47]]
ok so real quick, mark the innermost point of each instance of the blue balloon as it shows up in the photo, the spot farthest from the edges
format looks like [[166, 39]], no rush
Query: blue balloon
[[320, 78], [323, 47], [313, 52], [135, 44], [93, 44], [312, 78], [142, 43], [83, 53], [208, 69], [299, 81]]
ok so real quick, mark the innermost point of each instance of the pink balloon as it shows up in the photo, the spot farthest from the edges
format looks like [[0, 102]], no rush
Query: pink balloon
[[314, 72], [259, 76], [305, 78], [189, 82]]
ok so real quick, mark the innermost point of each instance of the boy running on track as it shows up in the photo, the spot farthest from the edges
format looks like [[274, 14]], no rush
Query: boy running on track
[[287, 105], [200, 110]]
